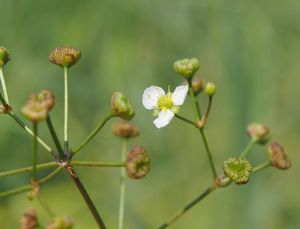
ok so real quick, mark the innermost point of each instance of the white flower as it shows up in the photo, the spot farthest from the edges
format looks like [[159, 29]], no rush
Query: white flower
[[165, 106]]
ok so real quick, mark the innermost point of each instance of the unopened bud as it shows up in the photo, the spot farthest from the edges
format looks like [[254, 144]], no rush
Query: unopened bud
[[222, 181], [4, 56], [186, 67], [121, 106], [125, 130], [197, 85], [65, 56], [258, 132], [278, 157], [38, 106], [61, 223], [29, 219], [210, 89], [238, 170], [138, 162]]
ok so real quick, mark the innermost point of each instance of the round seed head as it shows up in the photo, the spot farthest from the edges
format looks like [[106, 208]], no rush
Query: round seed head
[[125, 130], [138, 163], [278, 157], [186, 67], [238, 170], [65, 56], [258, 132], [121, 106]]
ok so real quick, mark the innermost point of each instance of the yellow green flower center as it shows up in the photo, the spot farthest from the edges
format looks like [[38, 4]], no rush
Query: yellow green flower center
[[165, 102]]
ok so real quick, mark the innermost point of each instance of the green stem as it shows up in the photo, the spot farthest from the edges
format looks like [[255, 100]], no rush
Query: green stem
[[208, 152], [122, 186], [202, 131], [185, 119], [54, 137], [26, 188], [93, 134], [96, 164], [248, 148], [66, 120], [187, 207], [55, 164], [29, 169], [34, 151], [28, 130], [205, 117], [86, 197], [262, 166], [3, 84]]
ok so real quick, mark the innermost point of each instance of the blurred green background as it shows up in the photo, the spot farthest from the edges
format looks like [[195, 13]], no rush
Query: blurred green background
[[250, 49]]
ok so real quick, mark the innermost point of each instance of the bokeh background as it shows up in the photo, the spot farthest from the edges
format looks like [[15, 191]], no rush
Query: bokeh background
[[250, 49]]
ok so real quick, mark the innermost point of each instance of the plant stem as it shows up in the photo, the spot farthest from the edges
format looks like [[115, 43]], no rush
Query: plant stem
[[66, 127], [3, 86], [86, 197], [55, 164], [96, 164], [26, 188], [122, 186], [28, 169], [202, 131], [262, 166], [28, 130], [208, 152], [248, 148], [187, 207], [93, 133], [34, 151], [185, 119], [54, 137], [205, 117]]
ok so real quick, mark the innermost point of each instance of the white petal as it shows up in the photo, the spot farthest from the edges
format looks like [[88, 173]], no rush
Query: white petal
[[151, 96], [164, 118], [179, 95]]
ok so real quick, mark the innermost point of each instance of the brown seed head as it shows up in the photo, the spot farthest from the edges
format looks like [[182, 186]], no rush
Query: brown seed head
[[125, 130], [278, 157], [259, 132], [138, 163], [65, 56], [29, 219]]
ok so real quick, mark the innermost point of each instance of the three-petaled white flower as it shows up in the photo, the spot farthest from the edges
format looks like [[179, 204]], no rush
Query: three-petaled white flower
[[165, 106]]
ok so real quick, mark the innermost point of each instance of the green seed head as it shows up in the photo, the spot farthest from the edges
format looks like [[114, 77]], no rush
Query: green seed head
[[138, 163], [238, 170], [65, 56], [121, 106], [4, 56], [186, 67]]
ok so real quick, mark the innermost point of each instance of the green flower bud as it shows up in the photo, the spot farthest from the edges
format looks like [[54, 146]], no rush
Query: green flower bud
[[61, 223], [138, 163], [278, 157], [65, 56], [4, 56], [210, 89], [121, 106], [238, 170], [29, 219], [258, 132], [125, 130], [38, 106], [186, 67]]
